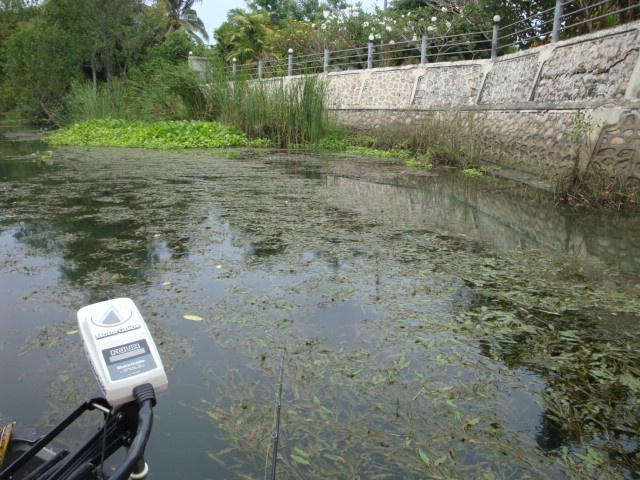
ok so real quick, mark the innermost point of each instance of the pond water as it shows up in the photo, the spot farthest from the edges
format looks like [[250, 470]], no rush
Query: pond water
[[432, 325]]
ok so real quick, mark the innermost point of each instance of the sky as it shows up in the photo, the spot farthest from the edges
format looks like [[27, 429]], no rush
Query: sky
[[214, 12]]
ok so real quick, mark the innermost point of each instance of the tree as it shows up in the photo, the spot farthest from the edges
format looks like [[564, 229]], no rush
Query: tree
[[303, 37], [175, 49], [309, 10], [12, 13], [277, 10], [103, 29], [108, 18], [183, 17], [41, 62], [67, 40], [245, 36]]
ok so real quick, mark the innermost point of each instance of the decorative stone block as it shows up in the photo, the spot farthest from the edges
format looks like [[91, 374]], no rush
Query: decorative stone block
[[510, 80], [448, 85], [587, 70]]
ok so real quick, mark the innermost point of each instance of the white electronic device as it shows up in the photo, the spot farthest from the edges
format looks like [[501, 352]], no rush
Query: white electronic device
[[120, 349]]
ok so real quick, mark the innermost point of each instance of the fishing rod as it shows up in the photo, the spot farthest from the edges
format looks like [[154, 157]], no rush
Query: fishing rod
[[275, 433]]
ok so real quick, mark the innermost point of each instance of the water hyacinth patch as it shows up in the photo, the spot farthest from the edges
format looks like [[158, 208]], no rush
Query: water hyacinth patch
[[159, 135]]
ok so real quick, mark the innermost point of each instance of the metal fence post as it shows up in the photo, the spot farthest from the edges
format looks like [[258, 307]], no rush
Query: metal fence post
[[370, 53], [233, 68], [494, 38], [260, 68], [326, 60], [290, 66], [557, 16], [423, 50]]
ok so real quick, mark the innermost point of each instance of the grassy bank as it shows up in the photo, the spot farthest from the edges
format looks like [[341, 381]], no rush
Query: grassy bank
[[284, 112]]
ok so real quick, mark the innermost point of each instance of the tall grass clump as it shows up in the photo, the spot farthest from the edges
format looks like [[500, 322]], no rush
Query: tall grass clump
[[447, 139], [86, 102], [163, 90], [287, 111], [595, 189], [157, 91]]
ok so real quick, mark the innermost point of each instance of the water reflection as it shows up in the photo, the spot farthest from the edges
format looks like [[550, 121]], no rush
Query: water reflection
[[504, 215], [101, 228]]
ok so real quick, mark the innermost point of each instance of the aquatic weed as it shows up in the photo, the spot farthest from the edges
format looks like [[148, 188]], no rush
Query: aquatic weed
[[411, 352], [160, 135]]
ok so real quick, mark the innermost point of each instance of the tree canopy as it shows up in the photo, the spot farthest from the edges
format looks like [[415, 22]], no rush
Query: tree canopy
[[49, 45], [181, 16]]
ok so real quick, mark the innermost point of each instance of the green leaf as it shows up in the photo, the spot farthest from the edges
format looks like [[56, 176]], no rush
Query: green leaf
[[440, 461], [301, 460], [301, 452], [424, 457], [631, 382], [403, 363]]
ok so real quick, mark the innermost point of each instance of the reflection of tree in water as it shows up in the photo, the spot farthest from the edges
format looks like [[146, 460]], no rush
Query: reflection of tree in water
[[89, 249], [551, 435], [622, 448], [23, 162], [21, 169], [98, 252]]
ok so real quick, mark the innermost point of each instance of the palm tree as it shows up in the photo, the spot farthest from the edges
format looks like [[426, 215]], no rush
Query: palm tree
[[246, 35], [183, 17]]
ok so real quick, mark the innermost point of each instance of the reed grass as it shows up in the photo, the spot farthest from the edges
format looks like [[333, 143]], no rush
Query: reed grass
[[166, 91], [595, 189], [84, 102], [590, 185], [158, 91], [287, 111], [445, 139]]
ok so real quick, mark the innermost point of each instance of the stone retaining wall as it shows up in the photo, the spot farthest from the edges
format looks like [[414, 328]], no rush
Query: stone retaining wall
[[523, 105]]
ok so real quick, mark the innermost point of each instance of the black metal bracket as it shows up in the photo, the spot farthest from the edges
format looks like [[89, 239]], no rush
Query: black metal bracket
[[118, 430]]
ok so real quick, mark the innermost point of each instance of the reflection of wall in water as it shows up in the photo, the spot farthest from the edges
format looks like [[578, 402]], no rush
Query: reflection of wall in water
[[505, 217]]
